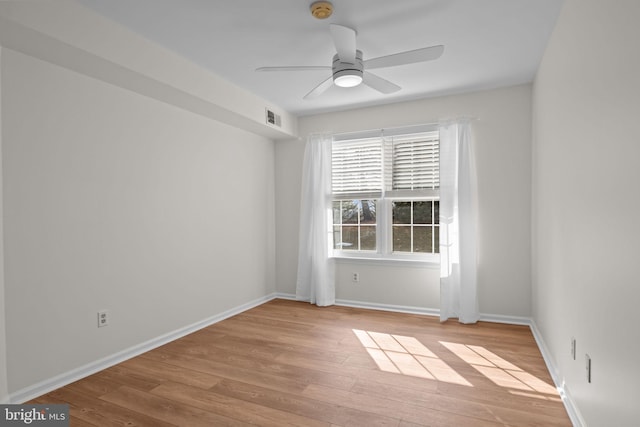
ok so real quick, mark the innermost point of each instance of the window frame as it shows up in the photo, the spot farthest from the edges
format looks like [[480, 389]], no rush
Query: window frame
[[384, 201], [359, 225], [384, 237]]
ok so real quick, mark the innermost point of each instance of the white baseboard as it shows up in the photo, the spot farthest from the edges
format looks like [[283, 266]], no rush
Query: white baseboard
[[63, 379], [374, 306], [283, 295], [389, 307], [511, 320], [496, 318], [572, 410]]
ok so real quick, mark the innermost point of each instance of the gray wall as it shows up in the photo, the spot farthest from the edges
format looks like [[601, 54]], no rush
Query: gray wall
[[503, 148], [586, 206]]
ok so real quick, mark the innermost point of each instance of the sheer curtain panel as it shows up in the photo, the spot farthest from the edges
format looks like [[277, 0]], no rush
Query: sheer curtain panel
[[316, 272], [458, 212]]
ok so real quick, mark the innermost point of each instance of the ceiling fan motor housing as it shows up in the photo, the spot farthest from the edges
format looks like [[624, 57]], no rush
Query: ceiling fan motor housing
[[346, 74]]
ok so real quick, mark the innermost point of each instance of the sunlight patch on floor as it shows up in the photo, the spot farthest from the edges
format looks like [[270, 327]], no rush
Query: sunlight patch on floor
[[407, 356], [501, 372]]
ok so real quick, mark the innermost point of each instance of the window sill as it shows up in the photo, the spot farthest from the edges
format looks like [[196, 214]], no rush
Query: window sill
[[432, 263]]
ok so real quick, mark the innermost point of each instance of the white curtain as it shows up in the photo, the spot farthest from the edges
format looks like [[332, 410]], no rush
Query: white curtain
[[316, 271], [458, 213]]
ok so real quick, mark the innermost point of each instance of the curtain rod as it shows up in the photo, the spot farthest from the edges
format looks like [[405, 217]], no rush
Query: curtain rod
[[392, 130], [397, 130]]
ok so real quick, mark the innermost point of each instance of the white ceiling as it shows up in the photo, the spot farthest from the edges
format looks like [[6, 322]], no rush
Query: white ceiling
[[488, 43]]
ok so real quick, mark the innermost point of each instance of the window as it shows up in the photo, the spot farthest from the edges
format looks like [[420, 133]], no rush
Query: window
[[385, 196], [415, 226], [354, 224]]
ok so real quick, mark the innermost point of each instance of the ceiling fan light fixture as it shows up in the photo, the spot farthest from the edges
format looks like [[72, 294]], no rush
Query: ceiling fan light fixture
[[347, 74], [348, 78], [321, 9]]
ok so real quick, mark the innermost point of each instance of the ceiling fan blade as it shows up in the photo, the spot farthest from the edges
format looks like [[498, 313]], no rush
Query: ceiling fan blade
[[345, 40], [379, 84], [323, 86], [295, 68], [408, 57]]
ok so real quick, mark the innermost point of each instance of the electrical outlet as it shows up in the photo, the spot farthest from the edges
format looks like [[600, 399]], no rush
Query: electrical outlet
[[573, 348], [355, 278], [103, 318], [587, 360]]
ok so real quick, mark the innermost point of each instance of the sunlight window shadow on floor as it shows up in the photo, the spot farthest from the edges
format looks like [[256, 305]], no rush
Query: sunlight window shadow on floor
[[503, 373], [408, 356]]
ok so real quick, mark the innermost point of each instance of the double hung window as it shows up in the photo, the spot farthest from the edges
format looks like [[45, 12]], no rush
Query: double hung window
[[385, 196]]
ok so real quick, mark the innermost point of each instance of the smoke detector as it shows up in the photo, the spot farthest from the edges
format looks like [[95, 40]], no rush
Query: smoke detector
[[321, 9]]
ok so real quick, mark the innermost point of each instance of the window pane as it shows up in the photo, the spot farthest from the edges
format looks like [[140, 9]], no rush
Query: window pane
[[336, 212], [368, 212], [422, 239], [349, 238], [350, 211], [436, 239], [337, 244], [401, 213], [422, 212], [368, 238], [436, 212], [355, 225], [401, 239]]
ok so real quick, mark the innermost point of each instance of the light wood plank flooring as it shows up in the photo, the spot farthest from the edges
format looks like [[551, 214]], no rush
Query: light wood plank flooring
[[291, 363]]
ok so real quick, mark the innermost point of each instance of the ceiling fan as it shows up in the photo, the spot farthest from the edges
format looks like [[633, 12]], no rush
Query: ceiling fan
[[349, 69]]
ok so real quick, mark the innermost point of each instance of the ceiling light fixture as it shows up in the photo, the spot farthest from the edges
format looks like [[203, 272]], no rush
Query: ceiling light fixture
[[348, 78], [346, 74], [321, 9]]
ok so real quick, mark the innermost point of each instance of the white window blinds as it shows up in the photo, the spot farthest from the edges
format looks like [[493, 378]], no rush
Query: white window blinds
[[357, 168], [401, 166], [416, 162]]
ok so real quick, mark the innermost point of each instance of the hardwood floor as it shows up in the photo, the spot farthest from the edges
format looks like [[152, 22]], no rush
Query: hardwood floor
[[291, 363]]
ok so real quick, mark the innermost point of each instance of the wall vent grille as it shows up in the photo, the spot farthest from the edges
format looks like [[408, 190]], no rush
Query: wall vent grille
[[273, 119]]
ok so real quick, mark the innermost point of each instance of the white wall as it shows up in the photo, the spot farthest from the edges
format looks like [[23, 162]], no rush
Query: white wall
[[503, 148], [114, 200], [4, 391], [586, 206]]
